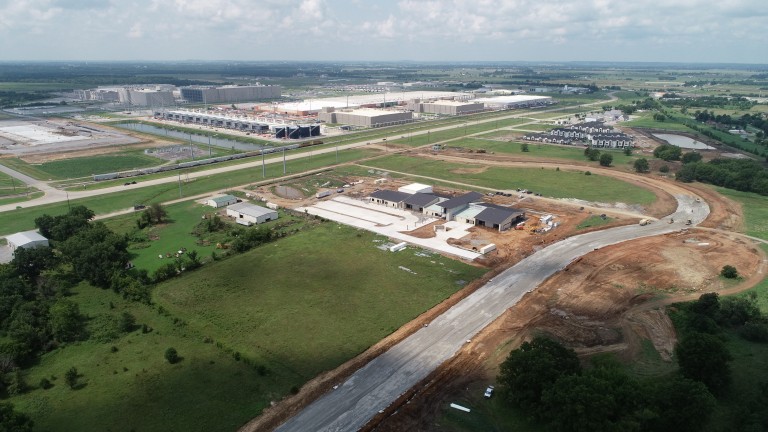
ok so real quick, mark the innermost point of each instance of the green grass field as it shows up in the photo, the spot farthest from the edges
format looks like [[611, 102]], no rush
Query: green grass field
[[330, 277], [647, 121], [548, 182], [85, 167], [755, 210], [540, 150], [135, 388], [174, 235], [23, 219], [347, 295]]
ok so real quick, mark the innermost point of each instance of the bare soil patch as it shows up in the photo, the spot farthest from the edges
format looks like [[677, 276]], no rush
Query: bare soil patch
[[608, 301]]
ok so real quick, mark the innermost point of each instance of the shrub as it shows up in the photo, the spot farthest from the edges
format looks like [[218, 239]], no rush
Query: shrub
[[664, 169], [754, 332], [45, 384], [71, 377], [729, 272], [172, 356]]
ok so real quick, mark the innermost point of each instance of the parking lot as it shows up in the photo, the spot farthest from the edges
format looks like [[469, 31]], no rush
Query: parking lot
[[390, 222]]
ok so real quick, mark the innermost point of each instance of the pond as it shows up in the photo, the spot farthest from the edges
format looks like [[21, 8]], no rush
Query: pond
[[683, 141], [200, 139]]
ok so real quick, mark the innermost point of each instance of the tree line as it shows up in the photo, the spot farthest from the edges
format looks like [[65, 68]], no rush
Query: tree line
[[744, 175], [545, 380]]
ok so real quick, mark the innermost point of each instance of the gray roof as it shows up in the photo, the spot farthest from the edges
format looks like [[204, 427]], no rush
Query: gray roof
[[461, 200], [497, 214], [24, 238], [252, 210], [421, 199], [390, 195], [223, 199]]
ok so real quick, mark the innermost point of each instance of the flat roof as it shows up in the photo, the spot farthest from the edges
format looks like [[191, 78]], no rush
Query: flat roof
[[371, 112], [511, 99], [249, 209], [368, 99], [453, 102]]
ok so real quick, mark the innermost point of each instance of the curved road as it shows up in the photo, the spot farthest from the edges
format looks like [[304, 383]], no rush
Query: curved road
[[376, 385]]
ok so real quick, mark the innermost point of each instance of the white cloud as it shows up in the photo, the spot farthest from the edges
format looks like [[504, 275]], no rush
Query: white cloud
[[423, 29]]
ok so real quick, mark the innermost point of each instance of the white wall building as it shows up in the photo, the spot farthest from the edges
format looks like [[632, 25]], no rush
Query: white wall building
[[221, 201], [250, 214]]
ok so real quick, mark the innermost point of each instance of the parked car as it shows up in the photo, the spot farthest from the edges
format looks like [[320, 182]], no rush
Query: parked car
[[488, 392]]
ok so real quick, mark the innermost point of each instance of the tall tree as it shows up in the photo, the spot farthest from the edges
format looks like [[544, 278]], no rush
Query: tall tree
[[12, 420], [528, 370], [704, 357], [66, 320], [97, 254]]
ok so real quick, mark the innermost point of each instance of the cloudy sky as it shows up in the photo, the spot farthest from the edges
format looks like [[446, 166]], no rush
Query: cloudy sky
[[428, 30]]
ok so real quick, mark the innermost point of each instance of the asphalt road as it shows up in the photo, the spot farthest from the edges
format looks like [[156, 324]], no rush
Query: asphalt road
[[384, 379]]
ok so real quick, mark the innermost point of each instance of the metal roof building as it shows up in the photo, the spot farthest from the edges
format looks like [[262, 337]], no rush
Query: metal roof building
[[26, 239], [249, 214]]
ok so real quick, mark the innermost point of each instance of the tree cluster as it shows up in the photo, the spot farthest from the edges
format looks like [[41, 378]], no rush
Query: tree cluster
[[703, 355], [740, 174], [546, 380], [668, 152]]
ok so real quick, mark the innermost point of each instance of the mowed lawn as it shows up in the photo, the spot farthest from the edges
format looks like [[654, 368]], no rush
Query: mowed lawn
[[313, 300], [755, 209], [547, 181]]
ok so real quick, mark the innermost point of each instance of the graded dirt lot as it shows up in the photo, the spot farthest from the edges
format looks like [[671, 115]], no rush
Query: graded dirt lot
[[609, 300]]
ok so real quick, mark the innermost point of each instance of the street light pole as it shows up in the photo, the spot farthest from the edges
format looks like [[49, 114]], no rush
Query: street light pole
[[210, 152], [263, 167]]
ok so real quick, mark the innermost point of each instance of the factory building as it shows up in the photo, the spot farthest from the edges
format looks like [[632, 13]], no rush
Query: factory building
[[516, 101], [147, 97], [229, 94], [444, 107], [365, 117], [242, 123]]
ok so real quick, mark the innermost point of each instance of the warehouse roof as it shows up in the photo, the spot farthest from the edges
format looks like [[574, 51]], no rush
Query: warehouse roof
[[223, 199], [249, 209], [498, 214], [461, 200], [25, 238], [390, 195], [421, 199]]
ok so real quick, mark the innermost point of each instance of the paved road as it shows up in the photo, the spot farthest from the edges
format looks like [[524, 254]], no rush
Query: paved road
[[384, 379]]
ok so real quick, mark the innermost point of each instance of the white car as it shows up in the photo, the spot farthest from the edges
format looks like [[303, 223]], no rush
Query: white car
[[488, 392]]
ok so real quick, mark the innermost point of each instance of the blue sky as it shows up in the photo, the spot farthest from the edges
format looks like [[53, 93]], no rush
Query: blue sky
[[731, 31]]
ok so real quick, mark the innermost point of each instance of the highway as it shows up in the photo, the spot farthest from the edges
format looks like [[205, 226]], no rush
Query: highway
[[376, 385]]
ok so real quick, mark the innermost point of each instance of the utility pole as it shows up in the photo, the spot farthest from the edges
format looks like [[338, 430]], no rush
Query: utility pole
[[210, 152], [68, 206], [13, 184], [283, 160], [263, 167], [179, 184], [337, 153]]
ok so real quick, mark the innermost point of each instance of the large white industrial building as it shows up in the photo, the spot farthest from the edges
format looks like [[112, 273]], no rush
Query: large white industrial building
[[229, 94], [445, 107], [515, 101], [365, 117]]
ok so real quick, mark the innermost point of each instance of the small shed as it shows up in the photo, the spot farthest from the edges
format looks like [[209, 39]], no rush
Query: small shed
[[415, 188], [26, 239], [249, 214], [221, 201]]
